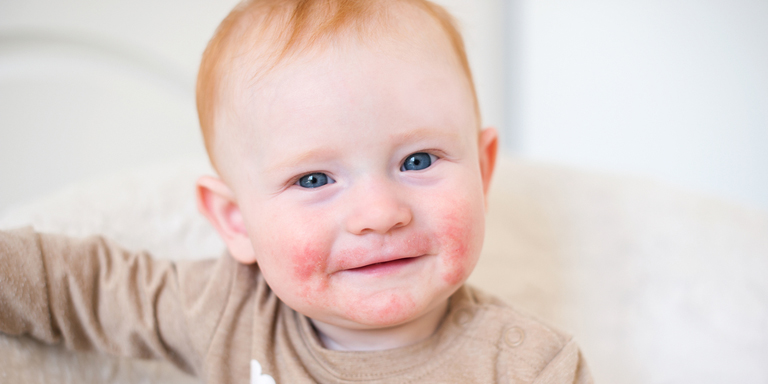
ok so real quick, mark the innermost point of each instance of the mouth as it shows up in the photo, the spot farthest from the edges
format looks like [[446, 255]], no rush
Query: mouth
[[385, 266]]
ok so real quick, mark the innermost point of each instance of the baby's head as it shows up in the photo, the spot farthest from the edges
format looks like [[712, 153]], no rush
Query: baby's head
[[353, 170]]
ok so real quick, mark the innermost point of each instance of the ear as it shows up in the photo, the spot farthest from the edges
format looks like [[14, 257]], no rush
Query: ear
[[488, 145], [217, 203]]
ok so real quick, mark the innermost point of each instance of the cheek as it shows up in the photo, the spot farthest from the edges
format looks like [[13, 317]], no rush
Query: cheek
[[297, 259], [294, 257], [460, 237], [305, 260], [307, 265], [300, 249]]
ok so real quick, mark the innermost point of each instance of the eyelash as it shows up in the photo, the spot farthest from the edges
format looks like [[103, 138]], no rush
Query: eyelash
[[322, 176], [432, 159]]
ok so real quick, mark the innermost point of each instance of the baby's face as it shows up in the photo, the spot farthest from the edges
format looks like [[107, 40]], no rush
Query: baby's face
[[358, 177]]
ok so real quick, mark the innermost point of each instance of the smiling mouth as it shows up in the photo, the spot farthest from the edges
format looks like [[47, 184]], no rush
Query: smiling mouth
[[385, 266]]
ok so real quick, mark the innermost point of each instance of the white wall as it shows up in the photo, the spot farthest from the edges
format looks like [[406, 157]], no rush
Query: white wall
[[677, 90], [89, 88], [483, 26]]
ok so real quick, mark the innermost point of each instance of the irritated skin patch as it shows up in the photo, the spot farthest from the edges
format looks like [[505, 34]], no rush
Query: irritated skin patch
[[308, 269], [457, 240], [306, 261]]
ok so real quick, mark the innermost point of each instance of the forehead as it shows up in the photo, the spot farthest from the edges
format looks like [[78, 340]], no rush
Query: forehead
[[354, 89], [264, 42], [412, 76]]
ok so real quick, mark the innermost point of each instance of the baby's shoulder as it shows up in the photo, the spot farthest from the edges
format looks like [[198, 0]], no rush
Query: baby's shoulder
[[496, 317], [520, 344]]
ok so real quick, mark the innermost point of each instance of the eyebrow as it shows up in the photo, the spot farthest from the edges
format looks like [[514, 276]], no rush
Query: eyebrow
[[423, 132], [318, 153], [326, 152]]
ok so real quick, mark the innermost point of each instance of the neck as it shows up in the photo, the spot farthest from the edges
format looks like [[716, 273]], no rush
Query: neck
[[346, 339]]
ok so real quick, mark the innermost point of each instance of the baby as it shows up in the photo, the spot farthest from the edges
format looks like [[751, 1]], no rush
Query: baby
[[352, 193]]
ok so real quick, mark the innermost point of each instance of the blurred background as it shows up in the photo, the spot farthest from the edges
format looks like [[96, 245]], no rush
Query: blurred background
[[671, 90]]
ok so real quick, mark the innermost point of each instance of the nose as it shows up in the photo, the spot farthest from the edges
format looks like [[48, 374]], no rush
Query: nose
[[377, 207]]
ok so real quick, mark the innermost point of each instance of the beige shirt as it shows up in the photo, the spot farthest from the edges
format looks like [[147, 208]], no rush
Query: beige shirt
[[219, 320]]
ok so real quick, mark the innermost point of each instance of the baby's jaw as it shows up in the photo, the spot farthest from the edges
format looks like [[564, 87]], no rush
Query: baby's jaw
[[346, 339]]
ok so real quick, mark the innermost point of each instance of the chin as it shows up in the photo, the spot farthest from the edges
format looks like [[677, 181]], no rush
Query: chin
[[388, 311], [395, 311]]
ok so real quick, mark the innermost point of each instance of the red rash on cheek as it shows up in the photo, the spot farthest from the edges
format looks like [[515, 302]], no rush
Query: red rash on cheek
[[306, 261], [308, 265], [456, 238]]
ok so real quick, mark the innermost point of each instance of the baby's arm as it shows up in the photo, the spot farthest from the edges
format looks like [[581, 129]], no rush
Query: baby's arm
[[89, 294]]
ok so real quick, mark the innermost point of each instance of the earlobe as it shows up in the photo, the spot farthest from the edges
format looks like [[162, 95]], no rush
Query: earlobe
[[216, 201], [488, 144]]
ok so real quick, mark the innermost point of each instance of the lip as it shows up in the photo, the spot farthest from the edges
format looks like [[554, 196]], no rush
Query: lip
[[381, 253], [353, 260], [384, 266]]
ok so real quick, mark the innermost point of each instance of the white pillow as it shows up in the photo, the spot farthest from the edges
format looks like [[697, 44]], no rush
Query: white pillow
[[150, 208]]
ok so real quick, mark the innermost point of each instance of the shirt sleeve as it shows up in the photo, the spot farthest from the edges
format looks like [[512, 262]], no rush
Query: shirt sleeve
[[90, 294], [567, 367]]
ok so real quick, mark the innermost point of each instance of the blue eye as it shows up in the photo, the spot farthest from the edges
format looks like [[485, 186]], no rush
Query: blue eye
[[417, 162], [314, 180]]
